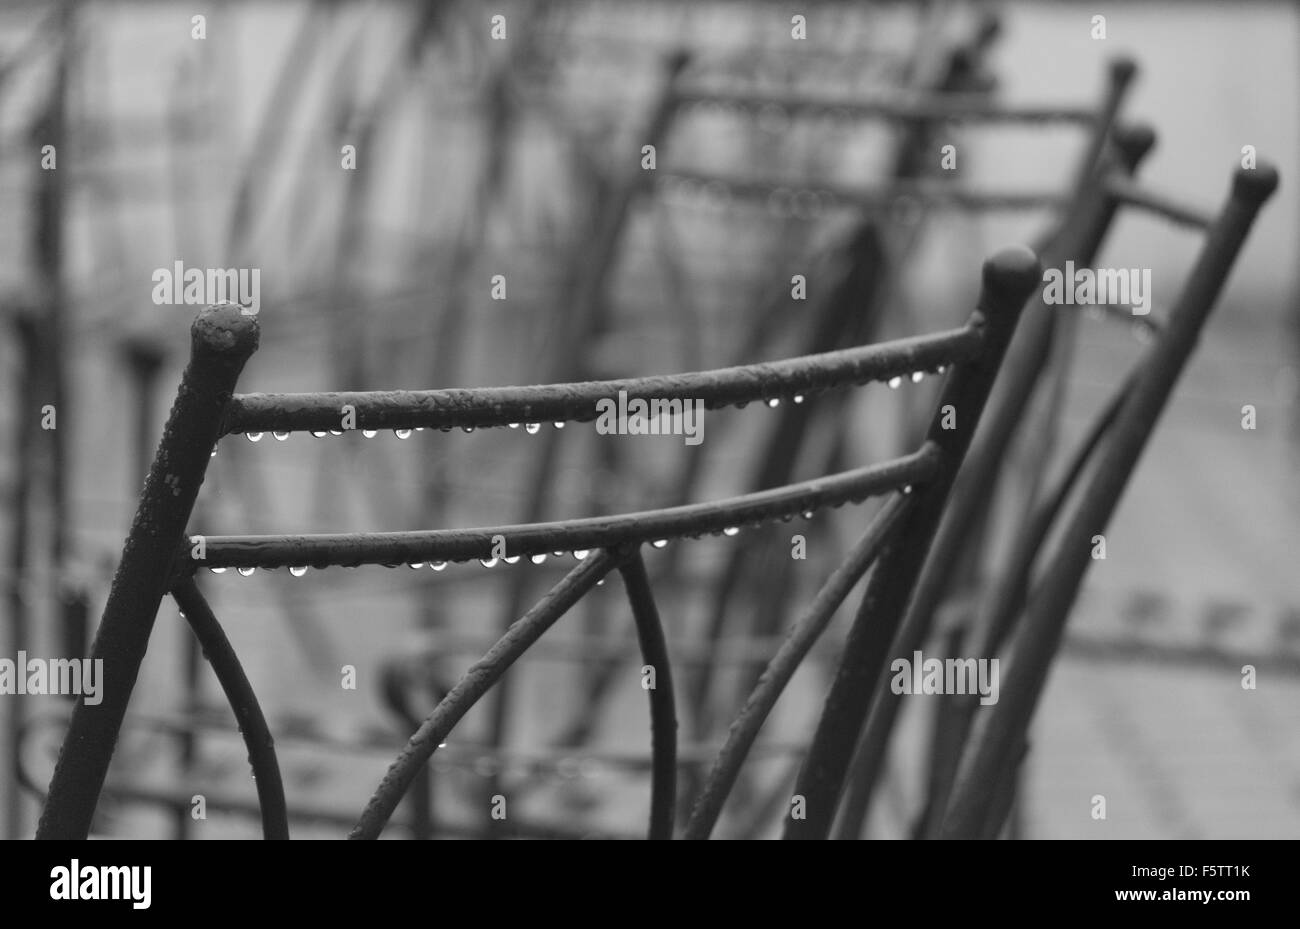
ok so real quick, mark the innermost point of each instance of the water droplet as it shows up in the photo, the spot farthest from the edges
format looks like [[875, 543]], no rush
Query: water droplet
[[798, 398], [402, 433], [442, 744], [730, 531], [438, 565], [774, 402], [894, 382], [940, 369], [907, 489], [253, 436], [513, 425], [246, 572], [298, 571], [370, 433], [807, 514], [918, 376], [581, 553], [280, 436], [218, 570], [488, 562], [213, 453], [558, 554], [318, 434], [538, 558], [558, 425], [336, 432], [532, 428], [416, 565], [467, 429], [659, 543], [511, 559]]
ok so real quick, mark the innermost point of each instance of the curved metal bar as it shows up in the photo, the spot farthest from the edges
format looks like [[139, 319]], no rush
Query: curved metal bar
[[500, 406], [248, 713], [473, 685], [349, 550], [779, 671], [222, 338], [663, 715], [922, 107]]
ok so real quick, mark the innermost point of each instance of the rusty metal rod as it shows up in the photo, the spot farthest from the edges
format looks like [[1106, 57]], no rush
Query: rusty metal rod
[[917, 107], [1127, 191], [663, 715], [222, 339], [352, 549], [936, 194], [803, 634], [500, 406], [243, 701], [473, 685], [1009, 278]]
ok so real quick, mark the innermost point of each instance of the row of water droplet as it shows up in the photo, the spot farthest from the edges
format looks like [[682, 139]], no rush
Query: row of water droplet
[[580, 554], [534, 428], [540, 558]]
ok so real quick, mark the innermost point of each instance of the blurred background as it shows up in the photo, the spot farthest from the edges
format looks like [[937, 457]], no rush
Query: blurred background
[[477, 157]]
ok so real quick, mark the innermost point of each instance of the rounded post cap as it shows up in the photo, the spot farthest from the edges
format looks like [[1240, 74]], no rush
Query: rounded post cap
[[225, 329], [676, 60], [1013, 272], [1134, 141], [1255, 185], [1122, 70]]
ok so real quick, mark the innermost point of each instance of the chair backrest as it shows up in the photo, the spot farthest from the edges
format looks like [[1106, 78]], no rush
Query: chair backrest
[[158, 557]]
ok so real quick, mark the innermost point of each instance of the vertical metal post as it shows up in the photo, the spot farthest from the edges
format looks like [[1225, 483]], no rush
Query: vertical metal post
[[222, 339], [1009, 278]]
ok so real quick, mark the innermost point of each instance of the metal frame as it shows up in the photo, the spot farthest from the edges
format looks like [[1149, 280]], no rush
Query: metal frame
[[158, 557]]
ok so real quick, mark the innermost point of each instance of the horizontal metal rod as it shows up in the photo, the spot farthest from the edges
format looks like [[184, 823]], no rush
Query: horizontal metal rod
[[443, 545], [221, 802], [460, 754], [947, 108], [1130, 193], [931, 193], [501, 406]]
